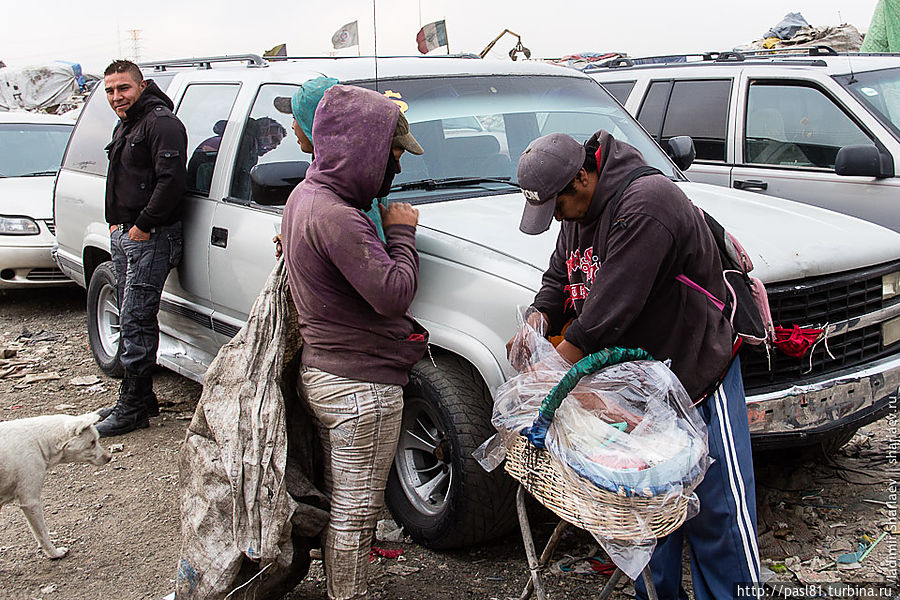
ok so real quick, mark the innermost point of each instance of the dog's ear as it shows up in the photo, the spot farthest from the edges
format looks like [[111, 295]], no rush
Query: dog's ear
[[85, 421]]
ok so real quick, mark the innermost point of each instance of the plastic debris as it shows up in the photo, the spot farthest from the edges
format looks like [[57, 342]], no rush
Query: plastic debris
[[375, 552], [38, 377], [85, 380], [387, 530]]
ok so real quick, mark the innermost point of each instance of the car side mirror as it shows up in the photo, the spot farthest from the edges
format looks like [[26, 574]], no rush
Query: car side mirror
[[272, 183], [864, 160], [681, 149]]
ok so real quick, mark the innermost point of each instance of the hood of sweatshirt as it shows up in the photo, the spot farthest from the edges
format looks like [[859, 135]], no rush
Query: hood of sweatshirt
[[352, 132], [151, 97]]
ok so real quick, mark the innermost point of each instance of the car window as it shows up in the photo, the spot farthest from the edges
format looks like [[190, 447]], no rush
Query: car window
[[266, 138], [620, 90], [478, 126], [653, 106], [796, 126], [204, 110], [699, 108], [880, 92], [86, 151], [31, 149]]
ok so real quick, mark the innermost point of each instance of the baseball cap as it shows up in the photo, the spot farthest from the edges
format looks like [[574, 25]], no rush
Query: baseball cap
[[548, 165], [302, 104], [404, 139]]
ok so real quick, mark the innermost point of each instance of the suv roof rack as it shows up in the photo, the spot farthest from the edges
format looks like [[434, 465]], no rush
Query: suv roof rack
[[626, 62], [206, 62]]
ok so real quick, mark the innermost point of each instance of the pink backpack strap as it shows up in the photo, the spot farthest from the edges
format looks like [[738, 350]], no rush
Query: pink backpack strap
[[691, 284]]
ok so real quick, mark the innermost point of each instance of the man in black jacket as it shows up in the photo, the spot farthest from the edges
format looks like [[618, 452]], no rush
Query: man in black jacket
[[620, 276], [145, 184]]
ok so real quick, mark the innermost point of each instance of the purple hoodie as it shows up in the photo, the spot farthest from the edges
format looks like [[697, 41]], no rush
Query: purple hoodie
[[352, 291]]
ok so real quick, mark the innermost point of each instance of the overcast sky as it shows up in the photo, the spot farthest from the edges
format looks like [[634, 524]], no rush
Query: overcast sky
[[93, 32]]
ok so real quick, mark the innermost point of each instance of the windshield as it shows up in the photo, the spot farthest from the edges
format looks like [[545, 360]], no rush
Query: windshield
[[477, 127], [31, 149], [879, 91]]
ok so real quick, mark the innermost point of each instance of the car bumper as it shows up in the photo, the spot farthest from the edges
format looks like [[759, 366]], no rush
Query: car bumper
[[29, 266], [806, 414]]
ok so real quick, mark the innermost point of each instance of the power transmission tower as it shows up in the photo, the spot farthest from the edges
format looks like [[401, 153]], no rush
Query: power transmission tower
[[135, 44]]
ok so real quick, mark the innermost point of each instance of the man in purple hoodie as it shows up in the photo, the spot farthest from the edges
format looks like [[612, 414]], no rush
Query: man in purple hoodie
[[352, 292]]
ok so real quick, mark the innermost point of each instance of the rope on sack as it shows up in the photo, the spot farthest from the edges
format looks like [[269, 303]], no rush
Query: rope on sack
[[537, 433]]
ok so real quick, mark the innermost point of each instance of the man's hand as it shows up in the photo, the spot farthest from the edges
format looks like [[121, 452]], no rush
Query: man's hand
[[398, 213], [518, 353], [277, 241], [136, 235], [570, 352], [112, 228]]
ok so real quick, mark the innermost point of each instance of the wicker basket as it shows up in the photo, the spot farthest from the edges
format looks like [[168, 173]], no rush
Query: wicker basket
[[605, 513]]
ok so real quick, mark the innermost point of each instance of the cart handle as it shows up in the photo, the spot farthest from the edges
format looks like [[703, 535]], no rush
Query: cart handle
[[607, 357]]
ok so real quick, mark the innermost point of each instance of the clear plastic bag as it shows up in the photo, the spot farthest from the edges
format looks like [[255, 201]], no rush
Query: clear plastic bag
[[626, 434]]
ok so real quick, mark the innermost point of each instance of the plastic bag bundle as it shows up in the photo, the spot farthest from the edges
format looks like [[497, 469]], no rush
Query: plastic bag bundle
[[624, 446]]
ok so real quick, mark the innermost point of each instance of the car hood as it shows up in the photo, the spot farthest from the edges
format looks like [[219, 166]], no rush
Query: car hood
[[27, 196], [786, 240]]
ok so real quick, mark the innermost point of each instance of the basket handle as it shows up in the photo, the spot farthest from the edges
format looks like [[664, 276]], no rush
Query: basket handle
[[607, 357]]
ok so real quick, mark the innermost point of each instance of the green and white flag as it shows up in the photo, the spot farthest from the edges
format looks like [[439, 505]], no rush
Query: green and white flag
[[431, 36]]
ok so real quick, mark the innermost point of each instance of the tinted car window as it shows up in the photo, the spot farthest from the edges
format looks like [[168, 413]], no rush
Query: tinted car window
[[31, 149], [204, 110], [267, 138], [654, 105], [796, 125], [619, 89], [86, 151], [699, 108]]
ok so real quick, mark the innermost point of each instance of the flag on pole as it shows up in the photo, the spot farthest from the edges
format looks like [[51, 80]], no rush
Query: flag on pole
[[277, 51], [346, 36], [431, 36]]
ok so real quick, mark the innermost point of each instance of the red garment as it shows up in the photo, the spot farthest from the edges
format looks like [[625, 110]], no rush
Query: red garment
[[796, 340], [375, 552]]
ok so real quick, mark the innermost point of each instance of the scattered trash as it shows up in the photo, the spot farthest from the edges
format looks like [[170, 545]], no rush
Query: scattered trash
[[94, 389], [65, 406], [40, 336], [387, 530], [8, 352], [809, 575], [375, 552], [85, 380], [778, 568], [14, 407], [113, 448], [583, 565], [38, 377], [48, 589]]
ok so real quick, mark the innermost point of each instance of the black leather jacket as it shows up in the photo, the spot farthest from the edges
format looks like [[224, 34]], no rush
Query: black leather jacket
[[145, 181]]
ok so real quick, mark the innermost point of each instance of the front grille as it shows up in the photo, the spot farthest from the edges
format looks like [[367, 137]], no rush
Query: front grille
[[50, 225], [46, 274], [813, 303]]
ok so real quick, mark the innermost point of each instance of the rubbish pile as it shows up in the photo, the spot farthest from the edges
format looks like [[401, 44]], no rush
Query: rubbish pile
[[56, 87], [793, 31]]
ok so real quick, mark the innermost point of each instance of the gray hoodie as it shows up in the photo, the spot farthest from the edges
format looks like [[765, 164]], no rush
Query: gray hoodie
[[352, 291]]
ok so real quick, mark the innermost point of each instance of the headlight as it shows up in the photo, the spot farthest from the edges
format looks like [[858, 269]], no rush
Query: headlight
[[890, 285], [18, 226]]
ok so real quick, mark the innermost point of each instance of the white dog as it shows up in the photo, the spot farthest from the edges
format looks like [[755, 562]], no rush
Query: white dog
[[29, 447]]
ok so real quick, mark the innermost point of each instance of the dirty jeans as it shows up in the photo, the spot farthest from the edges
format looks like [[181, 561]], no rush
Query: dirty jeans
[[359, 424], [141, 270]]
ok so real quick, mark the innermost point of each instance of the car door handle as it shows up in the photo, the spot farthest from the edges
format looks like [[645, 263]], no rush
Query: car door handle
[[219, 237], [750, 184]]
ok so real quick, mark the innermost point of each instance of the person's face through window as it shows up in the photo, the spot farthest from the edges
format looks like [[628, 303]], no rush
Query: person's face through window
[[122, 91]]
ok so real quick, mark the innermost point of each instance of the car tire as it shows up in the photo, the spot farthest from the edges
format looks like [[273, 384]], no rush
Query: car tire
[[103, 320], [436, 490]]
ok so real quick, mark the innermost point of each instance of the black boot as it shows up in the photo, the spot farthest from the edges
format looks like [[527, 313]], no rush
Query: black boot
[[150, 402], [129, 412]]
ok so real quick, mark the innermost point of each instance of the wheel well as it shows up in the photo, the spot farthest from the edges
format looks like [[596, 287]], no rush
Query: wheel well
[[92, 258]]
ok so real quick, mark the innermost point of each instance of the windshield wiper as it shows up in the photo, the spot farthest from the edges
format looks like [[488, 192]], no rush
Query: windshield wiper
[[450, 182], [38, 174]]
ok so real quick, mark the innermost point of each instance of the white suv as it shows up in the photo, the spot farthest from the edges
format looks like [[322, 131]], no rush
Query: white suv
[[816, 127], [474, 118]]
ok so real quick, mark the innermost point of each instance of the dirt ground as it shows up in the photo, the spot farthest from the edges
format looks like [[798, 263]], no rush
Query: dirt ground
[[120, 521]]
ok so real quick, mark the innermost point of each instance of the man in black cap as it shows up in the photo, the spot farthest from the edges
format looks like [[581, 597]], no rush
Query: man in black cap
[[613, 280]]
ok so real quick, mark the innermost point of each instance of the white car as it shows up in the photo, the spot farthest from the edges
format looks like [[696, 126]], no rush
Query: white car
[[474, 118], [31, 150], [813, 126]]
